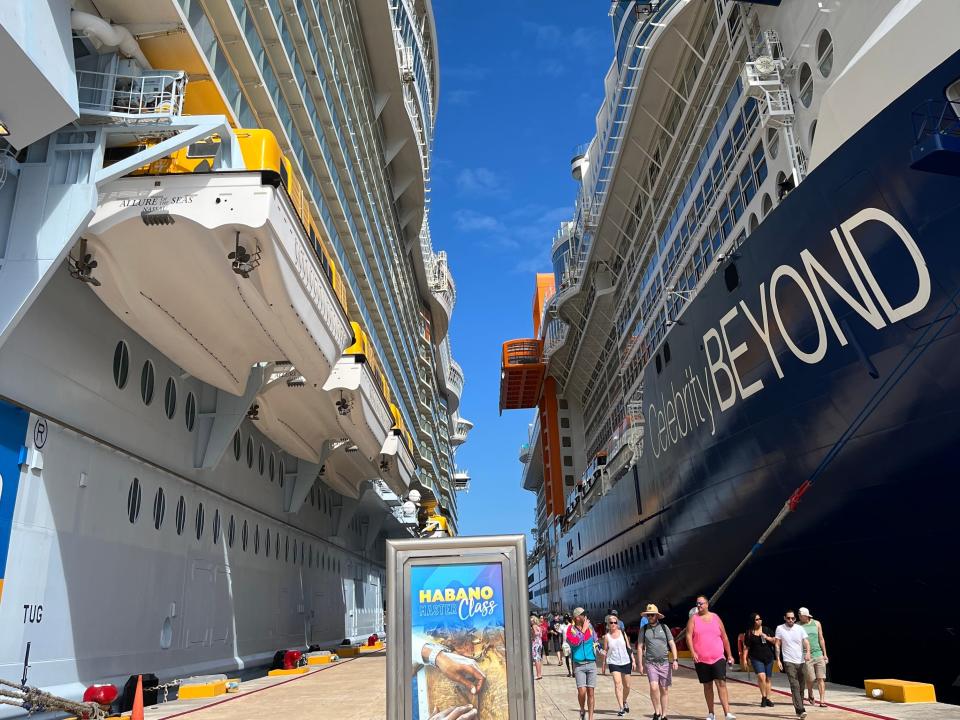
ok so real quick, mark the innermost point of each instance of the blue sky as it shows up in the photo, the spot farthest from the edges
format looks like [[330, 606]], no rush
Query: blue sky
[[520, 85]]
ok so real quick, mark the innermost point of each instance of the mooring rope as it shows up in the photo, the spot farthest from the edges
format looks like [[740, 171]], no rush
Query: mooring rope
[[36, 700]]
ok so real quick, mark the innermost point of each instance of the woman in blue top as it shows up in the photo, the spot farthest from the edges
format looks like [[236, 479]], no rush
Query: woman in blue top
[[581, 637]]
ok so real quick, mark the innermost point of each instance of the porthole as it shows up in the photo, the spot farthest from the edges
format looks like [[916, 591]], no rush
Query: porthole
[[250, 452], [282, 472], [301, 553], [276, 548], [146, 382], [166, 634], [133, 501], [256, 539], [270, 467], [216, 527], [766, 205], [190, 412], [666, 359], [773, 141], [813, 131], [260, 461], [198, 521], [266, 542], [159, 508], [121, 365], [825, 52], [244, 536], [231, 531], [237, 446], [286, 549], [181, 515], [170, 398], [658, 363], [805, 83]]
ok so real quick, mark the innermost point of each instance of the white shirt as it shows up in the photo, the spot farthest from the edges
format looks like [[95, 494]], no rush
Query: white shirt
[[791, 642], [617, 650]]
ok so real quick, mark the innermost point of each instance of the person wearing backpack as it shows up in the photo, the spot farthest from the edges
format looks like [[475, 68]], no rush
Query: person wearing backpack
[[656, 647]]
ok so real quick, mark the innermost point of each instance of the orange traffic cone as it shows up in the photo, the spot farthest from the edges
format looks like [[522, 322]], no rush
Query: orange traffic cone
[[137, 712]]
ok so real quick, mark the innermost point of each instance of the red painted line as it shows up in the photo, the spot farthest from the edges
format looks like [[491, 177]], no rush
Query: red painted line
[[341, 663], [866, 713]]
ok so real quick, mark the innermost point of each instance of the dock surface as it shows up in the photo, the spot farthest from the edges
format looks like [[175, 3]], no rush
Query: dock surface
[[356, 690]]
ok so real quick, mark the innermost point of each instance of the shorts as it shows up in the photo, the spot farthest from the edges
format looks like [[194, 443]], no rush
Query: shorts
[[708, 672], [660, 674], [623, 669], [585, 674], [759, 666], [556, 643], [815, 669]]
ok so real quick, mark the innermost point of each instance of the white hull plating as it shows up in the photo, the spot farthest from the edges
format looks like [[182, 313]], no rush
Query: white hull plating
[[174, 285]]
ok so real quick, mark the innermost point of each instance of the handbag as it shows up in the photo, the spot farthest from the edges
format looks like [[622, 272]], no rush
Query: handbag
[[566, 648]]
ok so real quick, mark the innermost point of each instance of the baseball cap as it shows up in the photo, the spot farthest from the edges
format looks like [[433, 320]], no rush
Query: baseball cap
[[578, 612], [614, 612], [804, 611]]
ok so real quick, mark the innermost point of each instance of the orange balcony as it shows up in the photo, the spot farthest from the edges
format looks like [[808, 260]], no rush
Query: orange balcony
[[521, 374]]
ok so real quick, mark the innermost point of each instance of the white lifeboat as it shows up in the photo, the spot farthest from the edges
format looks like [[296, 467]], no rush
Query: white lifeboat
[[362, 411], [395, 463], [216, 271]]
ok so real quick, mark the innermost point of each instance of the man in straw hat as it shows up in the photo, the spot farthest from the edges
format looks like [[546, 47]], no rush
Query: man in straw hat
[[656, 648]]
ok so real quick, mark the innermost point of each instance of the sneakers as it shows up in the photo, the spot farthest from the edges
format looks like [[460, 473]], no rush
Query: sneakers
[[711, 716], [657, 716], [731, 716], [620, 712], [802, 715], [766, 702], [626, 708]]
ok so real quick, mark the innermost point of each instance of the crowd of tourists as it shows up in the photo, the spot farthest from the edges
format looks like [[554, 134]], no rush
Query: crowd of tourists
[[797, 648]]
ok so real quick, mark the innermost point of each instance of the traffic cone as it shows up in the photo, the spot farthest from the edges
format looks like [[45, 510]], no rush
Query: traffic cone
[[137, 711]]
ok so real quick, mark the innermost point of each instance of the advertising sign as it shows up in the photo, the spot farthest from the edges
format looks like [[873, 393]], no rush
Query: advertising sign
[[460, 607]]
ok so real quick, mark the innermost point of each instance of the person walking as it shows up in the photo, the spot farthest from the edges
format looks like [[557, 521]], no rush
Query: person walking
[[556, 636], [793, 649], [564, 645], [545, 638], [536, 647], [581, 638], [816, 666], [758, 644], [655, 647], [710, 647], [616, 648]]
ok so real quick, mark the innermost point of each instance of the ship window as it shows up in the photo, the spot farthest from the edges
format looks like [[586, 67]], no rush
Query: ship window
[[270, 467], [644, 546], [231, 531], [567, 461], [181, 515], [286, 548], [250, 452], [813, 131], [237, 446], [170, 398], [731, 277], [753, 222], [282, 472], [133, 500], [146, 382], [260, 460], [660, 546], [562, 403], [658, 363], [121, 365], [565, 441], [805, 83], [766, 205], [216, 527], [564, 423], [256, 539], [666, 353], [198, 521], [190, 412], [773, 142], [244, 536], [159, 508], [568, 480], [276, 548], [266, 542], [203, 149], [825, 52]]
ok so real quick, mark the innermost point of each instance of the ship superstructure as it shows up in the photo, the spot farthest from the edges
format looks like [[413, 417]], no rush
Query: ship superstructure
[[225, 369], [735, 375]]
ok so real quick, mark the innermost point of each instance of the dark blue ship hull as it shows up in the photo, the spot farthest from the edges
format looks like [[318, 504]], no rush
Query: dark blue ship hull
[[842, 392]]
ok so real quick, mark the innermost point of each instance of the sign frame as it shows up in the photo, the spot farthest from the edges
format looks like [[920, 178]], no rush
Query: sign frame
[[509, 551]]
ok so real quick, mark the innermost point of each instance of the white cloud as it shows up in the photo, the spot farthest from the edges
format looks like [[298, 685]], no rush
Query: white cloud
[[522, 237], [479, 181], [460, 97]]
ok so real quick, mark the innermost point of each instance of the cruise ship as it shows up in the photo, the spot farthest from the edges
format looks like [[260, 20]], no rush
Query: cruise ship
[[743, 362], [226, 374]]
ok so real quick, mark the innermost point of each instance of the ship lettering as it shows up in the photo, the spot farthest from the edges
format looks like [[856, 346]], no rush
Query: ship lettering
[[681, 412], [32, 614]]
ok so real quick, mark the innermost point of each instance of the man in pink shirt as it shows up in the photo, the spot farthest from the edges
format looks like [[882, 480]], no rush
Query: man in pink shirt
[[710, 647]]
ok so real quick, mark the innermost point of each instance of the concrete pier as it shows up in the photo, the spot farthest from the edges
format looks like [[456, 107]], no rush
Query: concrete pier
[[356, 690]]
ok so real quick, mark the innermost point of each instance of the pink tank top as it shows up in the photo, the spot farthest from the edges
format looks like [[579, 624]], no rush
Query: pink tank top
[[707, 641]]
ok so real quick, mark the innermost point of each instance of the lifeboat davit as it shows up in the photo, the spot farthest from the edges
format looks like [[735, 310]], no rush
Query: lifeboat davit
[[216, 271]]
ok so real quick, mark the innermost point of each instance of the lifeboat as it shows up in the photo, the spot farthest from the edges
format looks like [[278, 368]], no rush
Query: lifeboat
[[395, 462], [220, 270]]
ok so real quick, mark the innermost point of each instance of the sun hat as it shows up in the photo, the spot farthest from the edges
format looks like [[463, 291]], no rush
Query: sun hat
[[578, 612], [805, 612], [652, 610]]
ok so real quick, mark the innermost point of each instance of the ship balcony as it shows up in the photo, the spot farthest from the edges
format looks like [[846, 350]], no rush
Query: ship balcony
[[153, 96], [443, 293], [521, 374], [555, 337], [461, 481], [525, 453], [461, 430], [454, 385]]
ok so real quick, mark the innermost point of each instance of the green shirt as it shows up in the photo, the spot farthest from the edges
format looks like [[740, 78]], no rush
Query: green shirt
[[813, 635]]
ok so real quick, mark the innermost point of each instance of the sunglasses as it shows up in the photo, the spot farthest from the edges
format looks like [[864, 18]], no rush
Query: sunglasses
[[789, 619], [700, 603]]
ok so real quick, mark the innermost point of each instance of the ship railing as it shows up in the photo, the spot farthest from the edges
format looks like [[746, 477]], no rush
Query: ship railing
[[937, 117], [152, 96]]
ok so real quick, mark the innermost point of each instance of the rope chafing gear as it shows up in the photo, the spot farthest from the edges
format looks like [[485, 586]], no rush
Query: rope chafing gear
[[35, 700]]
